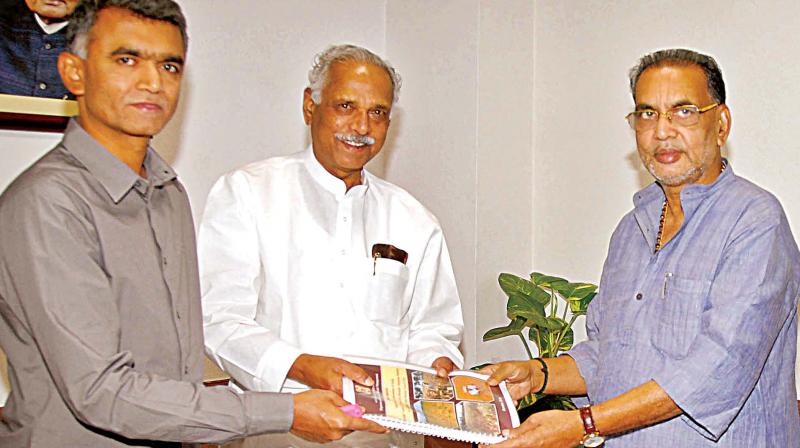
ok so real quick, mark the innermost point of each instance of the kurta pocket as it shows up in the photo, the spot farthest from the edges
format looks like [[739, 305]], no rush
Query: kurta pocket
[[678, 315], [385, 298]]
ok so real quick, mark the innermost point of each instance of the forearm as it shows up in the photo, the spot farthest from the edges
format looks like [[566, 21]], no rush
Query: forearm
[[563, 377], [641, 406]]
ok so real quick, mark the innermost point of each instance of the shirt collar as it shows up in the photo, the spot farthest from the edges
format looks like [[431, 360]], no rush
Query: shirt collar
[[50, 28], [115, 177], [689, 195], [331, 183]]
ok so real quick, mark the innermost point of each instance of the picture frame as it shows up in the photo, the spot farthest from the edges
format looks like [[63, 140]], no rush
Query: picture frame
[[27, 113]]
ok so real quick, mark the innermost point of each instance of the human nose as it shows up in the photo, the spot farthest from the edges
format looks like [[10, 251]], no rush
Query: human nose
[[150, 78], [665, 128], [361, 122]]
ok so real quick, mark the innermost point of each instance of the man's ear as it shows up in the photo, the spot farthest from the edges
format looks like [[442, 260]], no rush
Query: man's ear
[[308, 106], [71, 68], [724, 125]]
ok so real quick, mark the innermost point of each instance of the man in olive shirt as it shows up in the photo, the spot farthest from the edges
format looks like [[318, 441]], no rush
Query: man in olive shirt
[[99, 297]]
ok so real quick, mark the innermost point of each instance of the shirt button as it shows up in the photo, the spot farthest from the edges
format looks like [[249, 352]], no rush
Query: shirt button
[[344, 219], [48, 46], [185, 370], [638, 296], [343, 252], [178, 314], [164, 260], [42, 86]]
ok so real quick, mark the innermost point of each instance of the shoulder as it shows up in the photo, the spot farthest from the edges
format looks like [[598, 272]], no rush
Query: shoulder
[[54, 175], [264, 171], [52, 188], [751, 203], [402, 202]]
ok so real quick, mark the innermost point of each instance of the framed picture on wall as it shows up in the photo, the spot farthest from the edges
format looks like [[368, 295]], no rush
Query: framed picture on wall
[[27, 113], [32, 35]]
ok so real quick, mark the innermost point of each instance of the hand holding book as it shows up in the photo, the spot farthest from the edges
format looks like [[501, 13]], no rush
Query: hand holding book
[[461, 406]]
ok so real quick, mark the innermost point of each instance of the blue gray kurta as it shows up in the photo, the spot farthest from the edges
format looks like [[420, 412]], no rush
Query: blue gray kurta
[[711, 318]]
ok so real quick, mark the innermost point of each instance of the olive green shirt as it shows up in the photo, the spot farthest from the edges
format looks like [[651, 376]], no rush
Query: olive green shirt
[[100, 310]]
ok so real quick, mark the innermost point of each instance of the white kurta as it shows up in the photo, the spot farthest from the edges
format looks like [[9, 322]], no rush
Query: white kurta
[[286, 269]]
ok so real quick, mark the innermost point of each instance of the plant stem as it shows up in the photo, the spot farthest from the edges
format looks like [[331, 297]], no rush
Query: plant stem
[[564, 331], [539, 341], [525, 343]]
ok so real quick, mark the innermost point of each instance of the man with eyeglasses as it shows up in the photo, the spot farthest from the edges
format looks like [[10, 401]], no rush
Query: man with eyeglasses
[[692, 337]]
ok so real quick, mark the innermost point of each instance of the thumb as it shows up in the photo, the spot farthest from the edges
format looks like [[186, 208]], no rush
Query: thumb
[[356, 374]]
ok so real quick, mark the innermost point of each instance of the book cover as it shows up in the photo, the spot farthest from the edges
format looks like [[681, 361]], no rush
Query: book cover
[[412, 398]]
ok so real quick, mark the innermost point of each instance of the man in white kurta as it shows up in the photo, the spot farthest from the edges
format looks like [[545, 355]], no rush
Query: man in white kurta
[[286, 269], [285, 249]]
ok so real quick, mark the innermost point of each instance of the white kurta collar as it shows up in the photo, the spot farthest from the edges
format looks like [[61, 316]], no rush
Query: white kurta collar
[[330, 182]]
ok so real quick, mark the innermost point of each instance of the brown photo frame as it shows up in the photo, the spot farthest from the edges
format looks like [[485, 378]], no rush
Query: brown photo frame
[[27, 113]]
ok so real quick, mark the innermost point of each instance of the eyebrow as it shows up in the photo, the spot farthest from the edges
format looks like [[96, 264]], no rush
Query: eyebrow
[[134, 52], [679, 103]]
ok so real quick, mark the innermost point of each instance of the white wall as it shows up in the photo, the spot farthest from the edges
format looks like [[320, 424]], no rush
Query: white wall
[[464, 140]]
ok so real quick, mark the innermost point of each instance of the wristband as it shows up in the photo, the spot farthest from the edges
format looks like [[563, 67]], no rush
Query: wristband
[[546, 375]]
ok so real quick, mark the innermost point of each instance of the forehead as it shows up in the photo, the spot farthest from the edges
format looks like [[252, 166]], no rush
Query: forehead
[[669, 85], [117, 28], [359, 78]]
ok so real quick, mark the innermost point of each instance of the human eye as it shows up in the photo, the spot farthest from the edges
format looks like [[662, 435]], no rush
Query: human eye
[[647, 114], [126, 60], [171, 67], [345, 106], [379, 114], [684, 112]]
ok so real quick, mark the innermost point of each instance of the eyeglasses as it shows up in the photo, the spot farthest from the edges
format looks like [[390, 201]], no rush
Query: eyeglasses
[[686, 115]]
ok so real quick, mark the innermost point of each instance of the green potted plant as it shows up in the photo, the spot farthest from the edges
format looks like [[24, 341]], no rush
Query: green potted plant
[[538, 309]]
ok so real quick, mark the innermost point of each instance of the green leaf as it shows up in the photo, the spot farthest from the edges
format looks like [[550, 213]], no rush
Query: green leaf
[[541, 402], [527, 400], [542, 343], [512, 329], [547, 281], [575, 291], [556, 324], [567, 340], [522, 306], [511, 283], [561, 402], [579, 307]]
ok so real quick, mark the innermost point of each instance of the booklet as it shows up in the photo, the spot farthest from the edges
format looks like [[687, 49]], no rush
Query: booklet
[[412, 398]]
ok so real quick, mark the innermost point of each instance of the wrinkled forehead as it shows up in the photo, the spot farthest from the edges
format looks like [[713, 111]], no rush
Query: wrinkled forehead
[[669, 85]]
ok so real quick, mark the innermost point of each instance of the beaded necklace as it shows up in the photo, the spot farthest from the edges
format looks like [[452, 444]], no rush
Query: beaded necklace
[[664, 216]]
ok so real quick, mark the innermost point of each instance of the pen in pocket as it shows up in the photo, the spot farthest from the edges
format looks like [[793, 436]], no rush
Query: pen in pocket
[[667, 276]]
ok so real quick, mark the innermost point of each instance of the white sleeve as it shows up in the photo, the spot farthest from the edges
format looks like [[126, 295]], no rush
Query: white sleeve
[[231, 281], [436, 321]]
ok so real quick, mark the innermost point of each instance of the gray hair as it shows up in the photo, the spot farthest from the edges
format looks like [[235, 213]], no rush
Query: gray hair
[[85, 16], [682, 57], [318, 75]]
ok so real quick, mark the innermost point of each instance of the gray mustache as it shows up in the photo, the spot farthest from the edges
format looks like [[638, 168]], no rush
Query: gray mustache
[[358, 139]]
